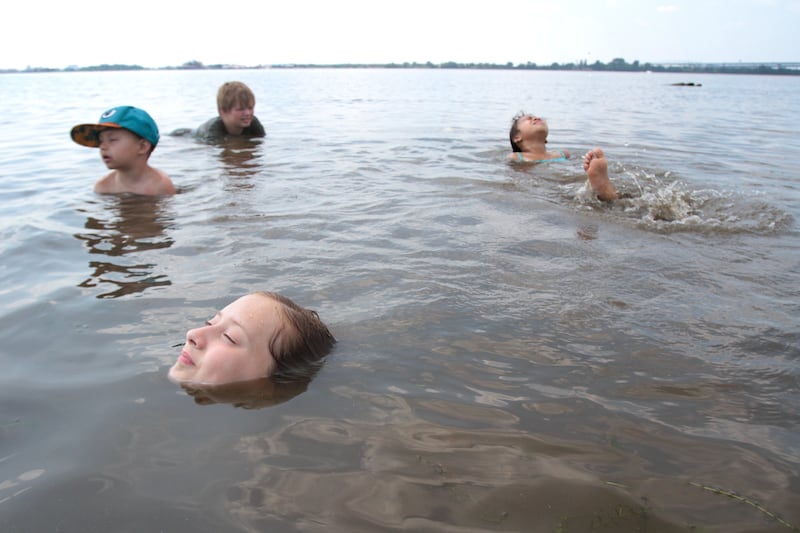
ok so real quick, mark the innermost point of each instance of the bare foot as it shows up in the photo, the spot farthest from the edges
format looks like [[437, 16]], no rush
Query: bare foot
[[595, 165]]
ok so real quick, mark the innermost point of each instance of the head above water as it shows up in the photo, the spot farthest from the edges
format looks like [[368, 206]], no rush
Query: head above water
[[524, 125], [259, 335], [233, 94], [130, 118]]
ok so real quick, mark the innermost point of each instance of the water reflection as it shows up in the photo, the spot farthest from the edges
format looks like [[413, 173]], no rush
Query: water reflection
[[240, 158], [398, 471], [135, 224], [254, 394]]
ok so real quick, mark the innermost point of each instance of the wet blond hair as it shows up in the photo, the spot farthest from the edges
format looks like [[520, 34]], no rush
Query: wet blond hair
[[232, 93]]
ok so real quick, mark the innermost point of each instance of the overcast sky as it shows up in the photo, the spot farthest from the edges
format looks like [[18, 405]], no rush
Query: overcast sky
[[156, 33]]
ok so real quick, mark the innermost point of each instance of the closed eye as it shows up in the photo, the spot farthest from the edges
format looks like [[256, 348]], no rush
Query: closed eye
[[230, 339]]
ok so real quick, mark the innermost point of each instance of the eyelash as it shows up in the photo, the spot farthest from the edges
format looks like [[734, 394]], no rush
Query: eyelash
[[230, 339]]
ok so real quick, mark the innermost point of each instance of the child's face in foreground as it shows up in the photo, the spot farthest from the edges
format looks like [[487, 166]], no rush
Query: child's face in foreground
[[232, 346], [238, 117], [531, 126], [119, 147]]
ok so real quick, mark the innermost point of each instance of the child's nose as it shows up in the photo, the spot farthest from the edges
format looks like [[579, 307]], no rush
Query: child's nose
[[195, 337]]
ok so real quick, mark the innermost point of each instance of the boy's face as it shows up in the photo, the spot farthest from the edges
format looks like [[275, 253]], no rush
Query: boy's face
[[119, 147], [234, 345], [238, 117]]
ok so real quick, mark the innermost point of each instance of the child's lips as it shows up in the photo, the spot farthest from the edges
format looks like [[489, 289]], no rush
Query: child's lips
[[186, 359]]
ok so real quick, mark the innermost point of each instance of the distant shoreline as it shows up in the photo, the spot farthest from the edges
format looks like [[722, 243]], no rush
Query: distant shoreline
[[617, 65]]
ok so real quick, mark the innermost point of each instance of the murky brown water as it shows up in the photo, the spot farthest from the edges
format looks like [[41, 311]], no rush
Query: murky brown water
[[512, 356]]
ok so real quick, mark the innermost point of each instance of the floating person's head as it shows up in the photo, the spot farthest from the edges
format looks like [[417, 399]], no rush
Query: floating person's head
[[525, 126], [260, 335]]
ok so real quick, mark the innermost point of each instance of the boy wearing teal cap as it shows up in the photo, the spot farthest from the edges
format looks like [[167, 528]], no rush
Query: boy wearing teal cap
[[126, 137]]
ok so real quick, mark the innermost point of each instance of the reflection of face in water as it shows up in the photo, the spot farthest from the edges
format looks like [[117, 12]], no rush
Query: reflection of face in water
[[254, 394], [134, 226], [240, 159]]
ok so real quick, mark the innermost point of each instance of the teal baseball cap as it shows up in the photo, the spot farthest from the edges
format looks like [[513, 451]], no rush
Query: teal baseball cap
[[127, 117]]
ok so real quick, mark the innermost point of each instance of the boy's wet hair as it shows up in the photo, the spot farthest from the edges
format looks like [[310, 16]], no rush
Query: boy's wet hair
[[232, 93], [300, 347]]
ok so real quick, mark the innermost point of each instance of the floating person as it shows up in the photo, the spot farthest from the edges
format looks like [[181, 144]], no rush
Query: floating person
[[236, 104], [260, 335], [126, 137], [528, 137]]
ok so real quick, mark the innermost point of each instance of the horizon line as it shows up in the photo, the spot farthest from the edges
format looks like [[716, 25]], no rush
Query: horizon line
[[198, 65]]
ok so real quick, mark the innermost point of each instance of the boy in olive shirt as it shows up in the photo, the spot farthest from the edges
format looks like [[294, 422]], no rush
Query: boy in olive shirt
[[235, 103]]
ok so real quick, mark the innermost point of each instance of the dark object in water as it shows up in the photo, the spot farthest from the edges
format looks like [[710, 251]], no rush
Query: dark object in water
[[687, 84]]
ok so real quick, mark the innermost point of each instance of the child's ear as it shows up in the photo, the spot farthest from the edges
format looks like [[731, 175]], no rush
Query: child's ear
[[144, 145]]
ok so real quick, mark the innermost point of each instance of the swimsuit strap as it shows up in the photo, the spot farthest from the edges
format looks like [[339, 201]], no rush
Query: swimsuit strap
[[562, 158]]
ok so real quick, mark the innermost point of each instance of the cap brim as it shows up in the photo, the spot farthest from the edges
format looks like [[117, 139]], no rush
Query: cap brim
[[89, 134]]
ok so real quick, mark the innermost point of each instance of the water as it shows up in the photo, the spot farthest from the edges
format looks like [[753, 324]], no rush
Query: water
[[512, 354]]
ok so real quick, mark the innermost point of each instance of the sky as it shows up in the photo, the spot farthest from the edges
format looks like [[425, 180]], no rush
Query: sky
[[159, 33]]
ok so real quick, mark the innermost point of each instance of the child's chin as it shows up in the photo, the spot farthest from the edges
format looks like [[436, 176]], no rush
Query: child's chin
[[176, 376]]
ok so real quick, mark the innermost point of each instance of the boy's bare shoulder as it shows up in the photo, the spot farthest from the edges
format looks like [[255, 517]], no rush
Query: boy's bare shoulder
[[165, 185], [107, 184], [154, 182]]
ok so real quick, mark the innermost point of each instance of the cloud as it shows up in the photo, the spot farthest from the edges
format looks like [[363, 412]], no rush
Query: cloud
[[667, 9]]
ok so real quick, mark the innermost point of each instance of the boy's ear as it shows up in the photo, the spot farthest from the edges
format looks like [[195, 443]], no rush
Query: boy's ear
[[145, 146]]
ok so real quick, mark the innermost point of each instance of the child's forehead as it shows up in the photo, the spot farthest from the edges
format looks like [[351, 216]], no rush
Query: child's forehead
[[111, 130], [254, 306]]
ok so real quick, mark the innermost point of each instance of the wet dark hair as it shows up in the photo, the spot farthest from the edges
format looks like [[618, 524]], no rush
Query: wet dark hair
[[514, 131], [299, 348]]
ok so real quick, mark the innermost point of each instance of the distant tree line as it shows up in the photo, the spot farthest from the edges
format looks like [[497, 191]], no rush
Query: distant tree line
[[616, 65]]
